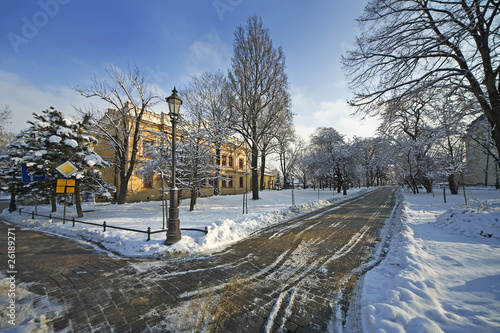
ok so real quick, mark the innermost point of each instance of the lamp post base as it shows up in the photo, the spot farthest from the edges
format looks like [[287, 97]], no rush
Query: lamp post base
[[173, 232], [173, 229]]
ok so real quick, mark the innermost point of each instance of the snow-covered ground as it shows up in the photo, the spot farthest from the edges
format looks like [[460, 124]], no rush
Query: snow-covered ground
[[223, 215], [442, 270]]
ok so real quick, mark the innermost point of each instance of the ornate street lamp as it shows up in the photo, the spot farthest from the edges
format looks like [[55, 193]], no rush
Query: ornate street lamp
[[173, 230]]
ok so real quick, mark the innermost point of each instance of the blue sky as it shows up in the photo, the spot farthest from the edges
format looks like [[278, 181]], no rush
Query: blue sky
[[49, 45]]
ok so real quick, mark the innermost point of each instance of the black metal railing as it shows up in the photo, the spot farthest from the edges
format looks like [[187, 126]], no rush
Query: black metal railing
[[104, 225]]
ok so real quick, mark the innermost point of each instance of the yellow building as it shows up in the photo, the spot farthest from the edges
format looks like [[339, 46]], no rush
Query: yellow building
[[235, 176]]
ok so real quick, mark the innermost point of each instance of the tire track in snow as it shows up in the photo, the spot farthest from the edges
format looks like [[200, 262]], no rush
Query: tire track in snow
[[349, 246], [296, 279], [255, 276], [316, 264], [338, 314], [289, 297]]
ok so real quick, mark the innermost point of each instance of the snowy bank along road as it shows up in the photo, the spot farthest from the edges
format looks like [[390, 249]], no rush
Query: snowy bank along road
[[294, 276]]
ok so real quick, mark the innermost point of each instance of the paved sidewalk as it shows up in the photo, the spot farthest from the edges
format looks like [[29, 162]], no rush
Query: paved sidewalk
[[67, 273], [295, 276]]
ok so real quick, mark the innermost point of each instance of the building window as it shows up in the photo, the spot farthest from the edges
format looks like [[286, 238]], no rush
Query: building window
[[227, 182], [147, 182], [241, 163], [147, 145], [241, 182], [224, 160], [230, 161]]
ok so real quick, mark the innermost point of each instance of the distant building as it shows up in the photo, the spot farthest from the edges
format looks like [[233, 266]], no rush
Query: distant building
[[235, 174], [481, 168]]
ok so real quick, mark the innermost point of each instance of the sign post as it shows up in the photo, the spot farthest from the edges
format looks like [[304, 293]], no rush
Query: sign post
[[30, 174], [66, 185]]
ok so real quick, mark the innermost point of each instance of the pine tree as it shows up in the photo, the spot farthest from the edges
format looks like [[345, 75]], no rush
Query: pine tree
[[51, 140]]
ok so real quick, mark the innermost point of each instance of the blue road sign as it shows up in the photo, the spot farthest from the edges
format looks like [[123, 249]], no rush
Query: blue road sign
[[31, 174]]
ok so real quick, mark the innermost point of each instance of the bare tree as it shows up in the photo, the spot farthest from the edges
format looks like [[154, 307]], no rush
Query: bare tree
[[206, 99], [372, 164], [409, 46], [280, 130], [451, 114], [330, 156], [406, 124], [288, 148], [195, 163], [259, 87], [5, 137], [128, 96]]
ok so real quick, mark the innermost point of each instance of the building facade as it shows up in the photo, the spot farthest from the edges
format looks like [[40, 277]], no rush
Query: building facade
[[233, 176], [481, 167]]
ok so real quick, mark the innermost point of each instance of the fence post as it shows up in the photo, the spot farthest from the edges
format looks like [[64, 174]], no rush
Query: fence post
[[50, 216], [104, 225], [73, 221], [149, 234], [32, 215]]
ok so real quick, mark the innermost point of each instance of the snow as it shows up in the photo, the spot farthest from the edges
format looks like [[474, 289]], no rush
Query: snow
[[28, 309], [442, 269], [71, 142], [55, 139], [92, 160], [65, 131]]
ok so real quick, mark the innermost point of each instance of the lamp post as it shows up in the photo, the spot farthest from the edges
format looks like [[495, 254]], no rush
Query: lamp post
[[173, 230]]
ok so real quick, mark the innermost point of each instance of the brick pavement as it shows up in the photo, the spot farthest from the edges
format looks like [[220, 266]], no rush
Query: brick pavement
[[290, 277]]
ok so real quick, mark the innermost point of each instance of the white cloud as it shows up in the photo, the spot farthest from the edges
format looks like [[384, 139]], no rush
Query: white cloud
[[209, 53], [311, 114], [24, 98]]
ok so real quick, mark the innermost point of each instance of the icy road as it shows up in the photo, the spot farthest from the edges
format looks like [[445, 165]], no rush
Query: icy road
[[295, 276]]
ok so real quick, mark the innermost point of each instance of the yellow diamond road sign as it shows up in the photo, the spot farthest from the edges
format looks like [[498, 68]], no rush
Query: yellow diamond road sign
[[67, 169], [65, 186]]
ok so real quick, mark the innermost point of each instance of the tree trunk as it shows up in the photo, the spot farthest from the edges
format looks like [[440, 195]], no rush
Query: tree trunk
[[452, 183], [427, 183], [255, 172], [78, 199], [192, 203], [53, 202], [123, 189], [262, 171], [495, 132], [340, 181], [217, 171]]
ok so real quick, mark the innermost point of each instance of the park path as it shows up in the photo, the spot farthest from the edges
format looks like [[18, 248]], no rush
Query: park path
[[295, 276]]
